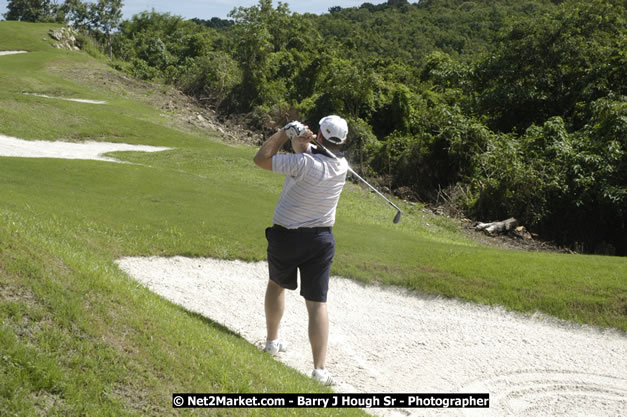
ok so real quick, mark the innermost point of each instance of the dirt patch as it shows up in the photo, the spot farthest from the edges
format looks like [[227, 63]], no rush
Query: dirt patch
[[513, 240], [385, 340], [510, 240], [181, 111]]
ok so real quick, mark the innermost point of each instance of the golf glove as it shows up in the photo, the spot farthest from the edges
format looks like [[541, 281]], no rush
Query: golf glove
[[294, 129]]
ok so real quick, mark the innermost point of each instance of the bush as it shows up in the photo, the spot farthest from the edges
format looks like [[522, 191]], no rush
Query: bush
[[141, 69], [434, 151], [211, 77], [570, 187]]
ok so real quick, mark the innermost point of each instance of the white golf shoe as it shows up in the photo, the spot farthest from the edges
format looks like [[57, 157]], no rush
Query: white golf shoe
[[275, 346], [323, 376]]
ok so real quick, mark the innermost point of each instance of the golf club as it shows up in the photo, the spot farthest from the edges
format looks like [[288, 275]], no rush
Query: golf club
[[397, 218]]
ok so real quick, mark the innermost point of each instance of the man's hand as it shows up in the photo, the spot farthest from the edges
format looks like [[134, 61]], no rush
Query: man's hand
[[294, 129], [301, 142]]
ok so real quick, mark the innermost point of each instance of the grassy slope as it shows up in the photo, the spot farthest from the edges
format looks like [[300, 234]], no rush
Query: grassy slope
[[78, 336]]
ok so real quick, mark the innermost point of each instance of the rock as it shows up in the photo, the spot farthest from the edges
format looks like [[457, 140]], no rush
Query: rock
[[65, 37], [57, 35]]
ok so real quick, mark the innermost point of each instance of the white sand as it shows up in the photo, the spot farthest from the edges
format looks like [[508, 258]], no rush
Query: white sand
[[12, 52], [389, 340], [77, 100], [14, 147]]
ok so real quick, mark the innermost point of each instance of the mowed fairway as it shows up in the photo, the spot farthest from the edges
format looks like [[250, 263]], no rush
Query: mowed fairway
[[78, 336]]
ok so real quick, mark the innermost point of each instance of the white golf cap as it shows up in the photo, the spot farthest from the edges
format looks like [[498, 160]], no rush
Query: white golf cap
[[334, 129]]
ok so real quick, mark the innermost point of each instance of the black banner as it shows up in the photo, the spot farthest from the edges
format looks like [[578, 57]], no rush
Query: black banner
[[339, 400]]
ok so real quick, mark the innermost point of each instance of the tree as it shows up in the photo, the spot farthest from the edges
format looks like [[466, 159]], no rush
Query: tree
[[215, 22], [398, 3], [272, 47], [77, 13], [210, 77], [31, 10], [106, 16], [349, 88], [550, 67]]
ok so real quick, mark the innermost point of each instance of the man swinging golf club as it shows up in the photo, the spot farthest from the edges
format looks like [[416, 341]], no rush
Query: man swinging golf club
[[301, 237]]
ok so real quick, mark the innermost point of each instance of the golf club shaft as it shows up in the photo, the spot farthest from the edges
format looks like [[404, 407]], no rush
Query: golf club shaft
[[373, 189], [356, 175]]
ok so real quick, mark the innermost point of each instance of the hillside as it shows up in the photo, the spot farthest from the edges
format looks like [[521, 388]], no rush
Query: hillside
[[501, 108], [78, 337], [404, 31], [512, 109], [81, 337]]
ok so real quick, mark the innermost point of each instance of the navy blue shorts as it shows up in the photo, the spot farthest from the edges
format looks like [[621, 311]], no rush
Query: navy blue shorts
[[309, 250]]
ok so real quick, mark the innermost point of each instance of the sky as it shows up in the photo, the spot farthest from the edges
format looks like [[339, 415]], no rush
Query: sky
[[206, 9]]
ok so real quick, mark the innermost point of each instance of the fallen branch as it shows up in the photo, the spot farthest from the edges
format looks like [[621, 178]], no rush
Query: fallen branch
[[498, 227]]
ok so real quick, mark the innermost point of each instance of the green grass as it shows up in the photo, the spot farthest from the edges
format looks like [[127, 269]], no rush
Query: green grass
[[79, 337], [76, 331]]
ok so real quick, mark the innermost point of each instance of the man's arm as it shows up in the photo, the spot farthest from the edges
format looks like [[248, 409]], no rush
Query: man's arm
[[270, 148]]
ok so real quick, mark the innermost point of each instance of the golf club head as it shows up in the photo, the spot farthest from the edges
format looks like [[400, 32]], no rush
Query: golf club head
[[397, 218]]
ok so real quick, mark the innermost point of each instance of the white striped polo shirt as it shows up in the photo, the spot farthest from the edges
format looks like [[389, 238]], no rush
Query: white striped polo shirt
[[311, 191]]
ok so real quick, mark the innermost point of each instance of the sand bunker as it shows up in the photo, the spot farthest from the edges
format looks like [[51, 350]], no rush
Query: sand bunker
[[10, 146], [77, 100], [12, 52], [389, 340]]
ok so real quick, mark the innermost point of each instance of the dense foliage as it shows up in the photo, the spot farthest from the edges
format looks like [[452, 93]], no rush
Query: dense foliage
[[103, 15], [31, 10], [510, 107]]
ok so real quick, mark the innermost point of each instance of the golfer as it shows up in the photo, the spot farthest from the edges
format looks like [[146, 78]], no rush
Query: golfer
[[301, 237]]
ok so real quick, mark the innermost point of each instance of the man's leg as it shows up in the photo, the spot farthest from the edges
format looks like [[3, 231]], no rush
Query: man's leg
[[274, 306], [318, 332]]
